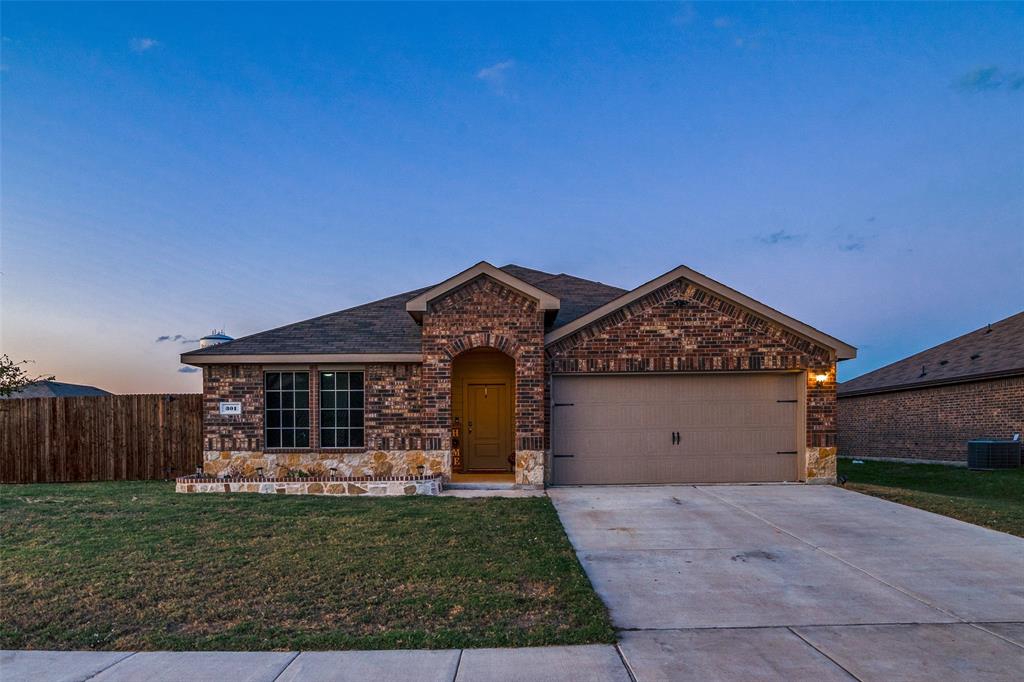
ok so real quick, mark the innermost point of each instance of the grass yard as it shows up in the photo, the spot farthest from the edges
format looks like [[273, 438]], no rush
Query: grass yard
[[136, 566], [994, 499]]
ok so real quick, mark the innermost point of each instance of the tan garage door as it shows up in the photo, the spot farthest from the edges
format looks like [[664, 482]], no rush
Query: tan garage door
[[727, 428]]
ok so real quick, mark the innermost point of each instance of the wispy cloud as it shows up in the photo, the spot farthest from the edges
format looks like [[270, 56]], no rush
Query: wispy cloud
[[144, 44], [685, 16], [854, 241], [496, 76], [742, 38], [989, 78], [781, 237], [176, 337], [188, 370]]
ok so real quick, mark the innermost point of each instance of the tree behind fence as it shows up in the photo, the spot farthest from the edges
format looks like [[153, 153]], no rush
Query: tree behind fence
[[100, 438]]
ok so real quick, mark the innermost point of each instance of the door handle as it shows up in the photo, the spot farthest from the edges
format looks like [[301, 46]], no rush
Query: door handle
[[675, 438], [471, 427]]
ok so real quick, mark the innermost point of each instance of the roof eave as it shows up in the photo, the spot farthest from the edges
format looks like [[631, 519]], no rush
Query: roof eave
[[934, 383], [299, 358]]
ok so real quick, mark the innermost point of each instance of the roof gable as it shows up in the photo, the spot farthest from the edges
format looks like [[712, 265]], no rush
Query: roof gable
[[843, 350], [994, 350], [418, 305]]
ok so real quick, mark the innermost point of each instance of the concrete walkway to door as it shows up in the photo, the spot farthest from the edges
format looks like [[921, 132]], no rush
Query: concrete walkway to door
[[797, 582]]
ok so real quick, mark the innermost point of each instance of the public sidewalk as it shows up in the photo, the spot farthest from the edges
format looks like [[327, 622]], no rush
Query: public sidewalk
[[595, 663]]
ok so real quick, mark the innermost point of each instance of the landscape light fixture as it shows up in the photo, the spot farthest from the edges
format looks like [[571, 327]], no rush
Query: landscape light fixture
[[334, 471], [259, 472]]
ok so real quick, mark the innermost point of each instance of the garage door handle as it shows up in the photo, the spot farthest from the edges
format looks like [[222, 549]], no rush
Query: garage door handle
[[559, 456]]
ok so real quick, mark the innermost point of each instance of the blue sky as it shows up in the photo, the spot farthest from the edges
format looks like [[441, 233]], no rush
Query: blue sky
[[166, 169]]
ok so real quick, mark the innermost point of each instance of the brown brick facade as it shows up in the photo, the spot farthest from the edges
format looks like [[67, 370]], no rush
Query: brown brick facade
[[394, 407], [408, 406], [679, 327], [932, 423], [484, 313], [682, 327], [391, 408], [821, 407], [233, 383]]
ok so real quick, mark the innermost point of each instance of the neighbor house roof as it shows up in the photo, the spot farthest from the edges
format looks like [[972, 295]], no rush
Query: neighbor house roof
[[384, 330], [994, 350], [56, 389]]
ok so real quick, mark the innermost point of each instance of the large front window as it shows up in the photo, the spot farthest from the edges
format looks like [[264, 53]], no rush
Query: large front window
[[341, 409], [287, 405]]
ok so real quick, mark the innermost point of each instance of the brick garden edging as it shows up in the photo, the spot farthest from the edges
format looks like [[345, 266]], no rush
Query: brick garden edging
[[315, 485]]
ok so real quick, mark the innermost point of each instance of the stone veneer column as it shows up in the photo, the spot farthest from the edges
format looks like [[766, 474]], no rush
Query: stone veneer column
[[821, 426]]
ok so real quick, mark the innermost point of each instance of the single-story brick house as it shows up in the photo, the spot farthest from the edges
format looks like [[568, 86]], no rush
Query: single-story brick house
[[539, 377], [927, 406]]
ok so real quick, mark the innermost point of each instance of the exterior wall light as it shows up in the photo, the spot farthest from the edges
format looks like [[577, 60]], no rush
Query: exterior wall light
[[820, 378], [199, 472]]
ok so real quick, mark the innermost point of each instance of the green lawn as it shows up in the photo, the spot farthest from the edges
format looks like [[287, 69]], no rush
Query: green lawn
[[987, 498], [136, 566]]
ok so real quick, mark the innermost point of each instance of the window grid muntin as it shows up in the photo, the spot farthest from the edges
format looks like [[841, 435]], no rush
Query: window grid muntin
[[286, 410], [342, 405]]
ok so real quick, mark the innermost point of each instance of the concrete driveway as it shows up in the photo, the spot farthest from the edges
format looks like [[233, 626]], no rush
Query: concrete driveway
[[797, 582]]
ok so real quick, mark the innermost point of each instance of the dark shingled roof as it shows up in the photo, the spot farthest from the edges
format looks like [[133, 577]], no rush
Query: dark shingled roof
[[56, 389], [385, 326], [992, 351]]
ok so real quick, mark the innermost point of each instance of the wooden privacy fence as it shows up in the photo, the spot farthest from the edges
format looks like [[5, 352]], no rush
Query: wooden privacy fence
[[100, 438]]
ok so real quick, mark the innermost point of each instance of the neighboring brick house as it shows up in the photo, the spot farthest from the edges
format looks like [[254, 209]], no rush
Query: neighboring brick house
[[927, 406], [679, 380]]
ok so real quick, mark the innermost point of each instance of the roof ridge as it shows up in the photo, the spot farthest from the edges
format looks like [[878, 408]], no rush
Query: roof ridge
[[590, 281], [551, 276]]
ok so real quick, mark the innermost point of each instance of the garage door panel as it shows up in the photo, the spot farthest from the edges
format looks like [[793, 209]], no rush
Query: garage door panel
[[618, 429]]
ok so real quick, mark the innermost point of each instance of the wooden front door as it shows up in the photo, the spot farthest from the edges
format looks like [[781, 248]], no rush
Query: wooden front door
[[488, 428]]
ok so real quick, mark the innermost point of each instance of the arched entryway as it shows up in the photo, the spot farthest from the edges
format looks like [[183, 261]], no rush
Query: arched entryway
[[483, 412]]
